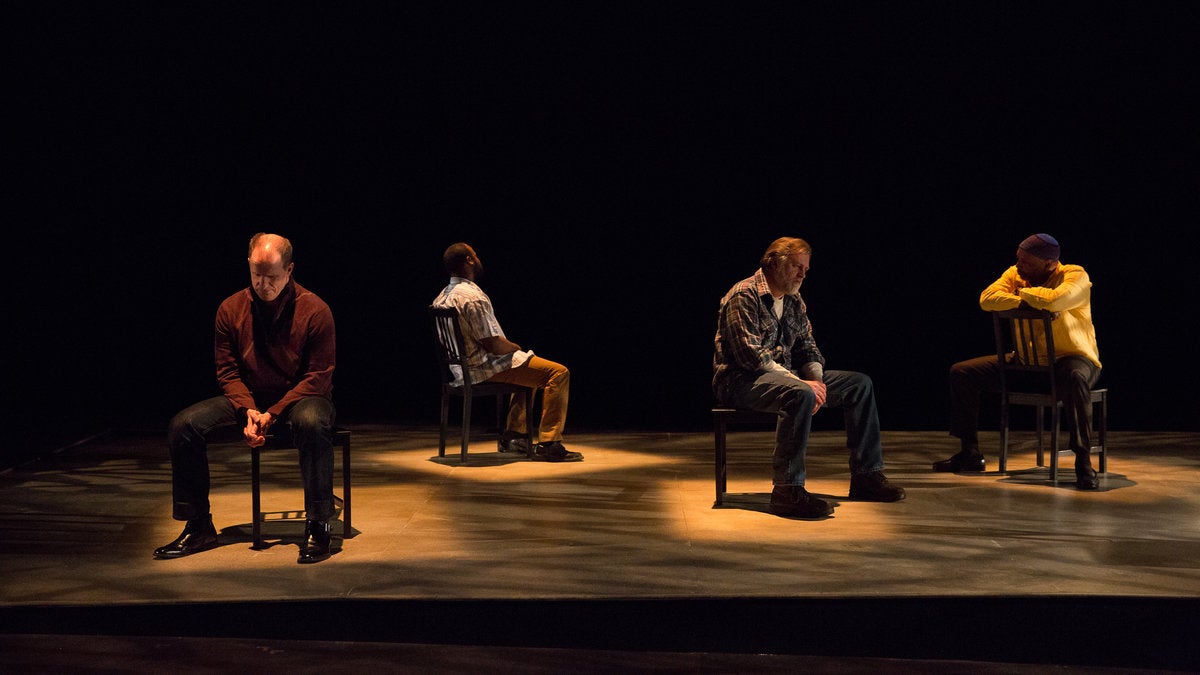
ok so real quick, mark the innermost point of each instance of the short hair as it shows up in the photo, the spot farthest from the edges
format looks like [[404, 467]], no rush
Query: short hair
[[284, 247], [782, 248], [455, 257]]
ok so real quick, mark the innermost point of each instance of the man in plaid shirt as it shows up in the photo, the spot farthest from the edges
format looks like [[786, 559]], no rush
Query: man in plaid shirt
[[766, 359]]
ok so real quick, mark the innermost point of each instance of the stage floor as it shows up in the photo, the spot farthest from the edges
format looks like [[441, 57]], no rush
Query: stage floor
[[630, 531]]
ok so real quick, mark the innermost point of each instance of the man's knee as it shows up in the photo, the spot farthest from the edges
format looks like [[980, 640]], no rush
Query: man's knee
[[313, 415], [958, 371], [1077, 379], [853, 386], [861, 382], [797, 398], [559, 374], [188, 425], [180, 425]]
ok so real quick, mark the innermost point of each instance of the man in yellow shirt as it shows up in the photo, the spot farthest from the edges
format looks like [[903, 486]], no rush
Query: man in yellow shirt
[[1038, 280]]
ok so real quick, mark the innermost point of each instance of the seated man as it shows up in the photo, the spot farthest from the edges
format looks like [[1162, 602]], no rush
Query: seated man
[[1039, 281], [492, 357], [767, 359], [275, 356]]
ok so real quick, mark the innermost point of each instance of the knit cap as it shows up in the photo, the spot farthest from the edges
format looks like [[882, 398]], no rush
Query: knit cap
[[1042, 246]]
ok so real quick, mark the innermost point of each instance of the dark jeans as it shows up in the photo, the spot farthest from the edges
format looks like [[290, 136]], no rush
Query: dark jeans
[[793, 400], [308, 422], [1074, 378]]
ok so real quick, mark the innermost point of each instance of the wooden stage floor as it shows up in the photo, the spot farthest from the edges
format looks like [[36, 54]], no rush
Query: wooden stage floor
[[619, 562]]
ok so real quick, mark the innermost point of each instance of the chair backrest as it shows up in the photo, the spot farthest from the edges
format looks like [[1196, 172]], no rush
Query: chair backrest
[[450, 345], [1025, 344]]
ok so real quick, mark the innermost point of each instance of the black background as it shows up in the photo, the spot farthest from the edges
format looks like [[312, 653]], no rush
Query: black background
[[616, 166]]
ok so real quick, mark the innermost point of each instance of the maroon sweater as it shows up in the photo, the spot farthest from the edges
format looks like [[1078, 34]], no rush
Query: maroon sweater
[[271, 355]]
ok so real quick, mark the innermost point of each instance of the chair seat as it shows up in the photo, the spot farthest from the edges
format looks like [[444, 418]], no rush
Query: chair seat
[[1045, 400], [341, 438]]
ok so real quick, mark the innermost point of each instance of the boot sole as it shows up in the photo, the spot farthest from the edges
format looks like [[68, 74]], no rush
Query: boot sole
[[785, 512]]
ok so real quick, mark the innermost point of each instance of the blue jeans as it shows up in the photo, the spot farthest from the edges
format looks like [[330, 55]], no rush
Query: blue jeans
[[793, 400], [307, 422]]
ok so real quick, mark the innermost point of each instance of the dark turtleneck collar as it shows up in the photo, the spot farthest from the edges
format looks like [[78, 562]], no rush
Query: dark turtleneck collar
[[270, 311]]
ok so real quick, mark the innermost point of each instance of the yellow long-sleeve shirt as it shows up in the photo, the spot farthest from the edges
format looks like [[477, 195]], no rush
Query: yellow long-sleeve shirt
[[1068, 292]]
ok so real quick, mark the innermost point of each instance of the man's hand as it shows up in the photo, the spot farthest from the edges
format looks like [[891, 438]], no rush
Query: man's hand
[[498, 345], [818, 388], [257, 426]]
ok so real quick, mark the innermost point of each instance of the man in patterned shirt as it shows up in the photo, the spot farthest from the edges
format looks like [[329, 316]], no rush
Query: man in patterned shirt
[[766, 359], [492, 357]]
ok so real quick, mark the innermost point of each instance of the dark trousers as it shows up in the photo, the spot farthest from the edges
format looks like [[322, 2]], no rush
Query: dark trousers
[[307, 422], [793, 400], [1074, 378]]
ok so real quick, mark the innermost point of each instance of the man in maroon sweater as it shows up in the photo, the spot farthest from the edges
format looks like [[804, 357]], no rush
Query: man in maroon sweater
[[275, 354]]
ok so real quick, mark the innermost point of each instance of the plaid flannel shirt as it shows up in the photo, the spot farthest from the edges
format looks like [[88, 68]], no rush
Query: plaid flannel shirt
[[750, 338]]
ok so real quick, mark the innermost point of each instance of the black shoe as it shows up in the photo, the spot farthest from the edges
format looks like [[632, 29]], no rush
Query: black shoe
[[198, 535], [555, 452], [316, 542], [874, 487], [518, 445], [963, 461], [513, 442], [794, 501], [1085, 475]]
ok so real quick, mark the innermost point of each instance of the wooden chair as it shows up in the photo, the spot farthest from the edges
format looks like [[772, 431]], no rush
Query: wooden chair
[[341, 437], [1025, 345], [451, 349], [722, 418]]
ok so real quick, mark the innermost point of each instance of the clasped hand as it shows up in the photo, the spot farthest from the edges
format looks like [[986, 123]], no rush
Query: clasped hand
[[818, 388], [257, 426]]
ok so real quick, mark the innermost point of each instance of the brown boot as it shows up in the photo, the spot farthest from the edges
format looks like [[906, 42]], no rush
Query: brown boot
[[874, 487], [794, 501], [965, 460]]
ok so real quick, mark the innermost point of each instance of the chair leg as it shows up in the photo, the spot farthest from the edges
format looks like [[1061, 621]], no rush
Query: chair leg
[[1055, 421], [466, 426], [529, 419], [501, 422], [346, 524], [720, 465], [1104, 432], [1041, 426], [255, 499], [1003, 435], [445, 423]]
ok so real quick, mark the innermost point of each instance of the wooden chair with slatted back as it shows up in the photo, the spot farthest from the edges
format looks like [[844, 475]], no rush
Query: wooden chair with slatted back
[[451, 349], [1025, 350]]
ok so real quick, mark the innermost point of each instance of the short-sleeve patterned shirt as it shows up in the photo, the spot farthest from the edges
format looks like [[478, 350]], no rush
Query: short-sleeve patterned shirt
[[477, 320]]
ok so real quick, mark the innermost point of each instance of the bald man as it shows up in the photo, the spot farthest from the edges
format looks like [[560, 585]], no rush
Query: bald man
[[275, 352]]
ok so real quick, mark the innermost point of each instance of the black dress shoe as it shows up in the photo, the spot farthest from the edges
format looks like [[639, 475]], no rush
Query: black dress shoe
[[554, 451], [197, 536], [316, 542], [963, 461], [1085, 477]]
